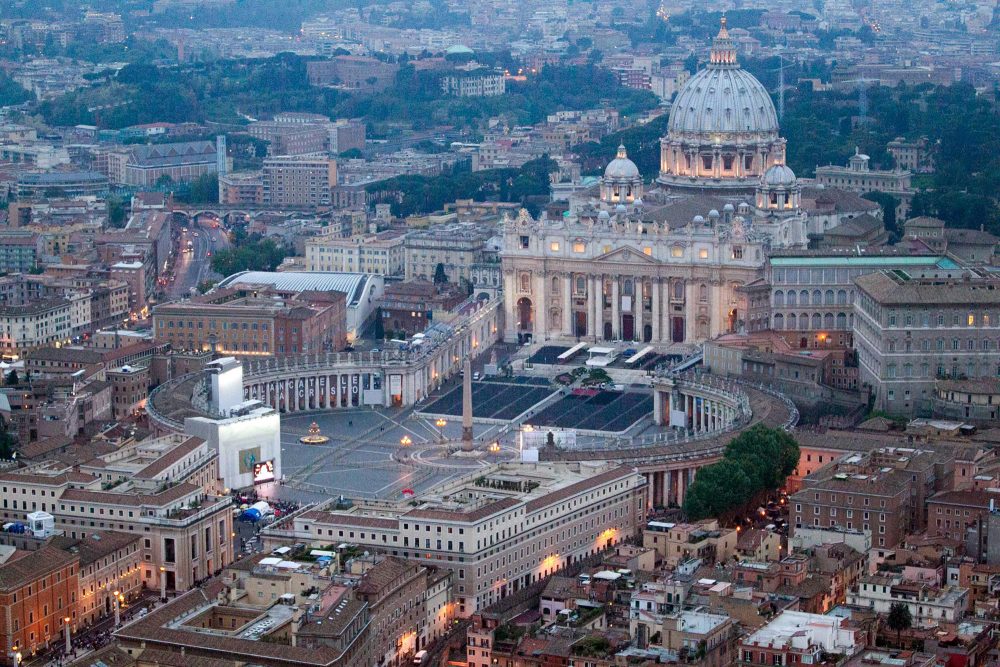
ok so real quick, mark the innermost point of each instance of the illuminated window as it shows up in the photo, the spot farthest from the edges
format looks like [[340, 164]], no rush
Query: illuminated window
[[554, 246], [703, 253], [737, 252], [647, 250], [677, 251], [972, 320], [606, 249], [579, 247]]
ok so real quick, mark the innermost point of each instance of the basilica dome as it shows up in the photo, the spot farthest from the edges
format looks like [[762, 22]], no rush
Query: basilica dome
[[621, 166], [779, 175], [723, 131], [723, 100]]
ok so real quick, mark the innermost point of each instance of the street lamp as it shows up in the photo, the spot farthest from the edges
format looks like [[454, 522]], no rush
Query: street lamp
[[66, 637], [163, 584], [405, 441], [116, 598], [441, 423]]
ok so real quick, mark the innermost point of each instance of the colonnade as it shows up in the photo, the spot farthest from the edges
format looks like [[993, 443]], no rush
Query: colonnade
[[666, 488]]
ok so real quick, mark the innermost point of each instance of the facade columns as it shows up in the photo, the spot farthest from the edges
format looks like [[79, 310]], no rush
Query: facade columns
[[666, 487], [567, 323], [657, 407], [598, 282], [681, 486], [541, 329], [637, 309], [616, 310], [656, 309]]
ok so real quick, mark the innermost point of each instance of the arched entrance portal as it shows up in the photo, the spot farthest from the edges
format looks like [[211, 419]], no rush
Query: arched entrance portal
[[628, 327], [524, 318], [580, 323], [607, 331], [647, 333]]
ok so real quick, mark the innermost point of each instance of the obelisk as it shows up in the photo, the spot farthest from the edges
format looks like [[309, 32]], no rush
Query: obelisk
[[467, 406]]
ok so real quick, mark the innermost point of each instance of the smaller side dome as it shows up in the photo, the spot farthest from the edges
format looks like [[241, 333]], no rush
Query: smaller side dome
[[621, 166], [779, 175]]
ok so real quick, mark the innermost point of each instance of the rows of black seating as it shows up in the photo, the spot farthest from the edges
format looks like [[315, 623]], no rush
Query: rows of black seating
[[490, 400], [547, 354], [605, 411]]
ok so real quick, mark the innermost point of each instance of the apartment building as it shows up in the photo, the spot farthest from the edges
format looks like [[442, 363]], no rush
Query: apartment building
[[242, 188], [254, 322], [411, 306], [290, 138], [881, 493], [38, 591], [295, 180], [926, 602], [20, 250], [110, 562], [913, 328], [795, 638], [456, 246], [25, 327], [185, 532], [515, 524], [676, 542], [474, 84], [381, 254]]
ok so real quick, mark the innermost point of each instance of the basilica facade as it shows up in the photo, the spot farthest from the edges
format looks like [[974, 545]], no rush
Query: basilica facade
[[667, 263]]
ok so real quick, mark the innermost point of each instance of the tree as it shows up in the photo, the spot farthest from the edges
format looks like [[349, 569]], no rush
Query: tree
[[718, 489], [888, 204], [116, 211], [11, 378], [899, 619], [440, 275]]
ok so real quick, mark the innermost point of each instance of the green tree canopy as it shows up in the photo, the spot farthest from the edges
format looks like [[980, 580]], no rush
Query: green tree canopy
[[717, 490]]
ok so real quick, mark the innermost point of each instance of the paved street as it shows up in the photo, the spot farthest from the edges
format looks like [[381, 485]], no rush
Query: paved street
[[193, 267]]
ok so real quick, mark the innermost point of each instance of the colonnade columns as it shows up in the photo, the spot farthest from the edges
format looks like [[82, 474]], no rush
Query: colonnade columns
[[681, 486]]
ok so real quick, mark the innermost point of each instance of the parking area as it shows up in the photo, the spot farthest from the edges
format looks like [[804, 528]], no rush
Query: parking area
[[596, 410], [496, 399]]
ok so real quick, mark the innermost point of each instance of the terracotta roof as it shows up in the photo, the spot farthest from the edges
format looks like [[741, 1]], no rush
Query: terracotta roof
[[968, 499], [96, 545], [477, 514], [171, 457], [24, 567], [154, 632], [578, 487], [348, 519], [380, 580], [173, 494]]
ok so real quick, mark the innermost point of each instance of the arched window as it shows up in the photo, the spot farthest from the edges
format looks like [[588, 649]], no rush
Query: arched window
[[779, 298], [792, 321], [793, 298], [627, 287], [703, 293], [841, 321], [828, 321], [828, 297], [817, 298], [804, 298], [841, 297], [555, 285], [817, 322], [581, 285], [525, 282], [779, 322]]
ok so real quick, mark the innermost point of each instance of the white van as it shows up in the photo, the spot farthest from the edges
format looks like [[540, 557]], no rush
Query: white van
[[419, 657]]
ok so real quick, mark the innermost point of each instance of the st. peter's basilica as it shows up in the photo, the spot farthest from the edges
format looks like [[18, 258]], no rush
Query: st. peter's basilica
[[665, 264]]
